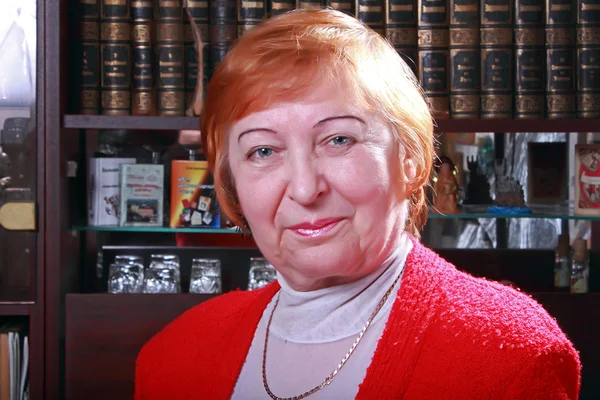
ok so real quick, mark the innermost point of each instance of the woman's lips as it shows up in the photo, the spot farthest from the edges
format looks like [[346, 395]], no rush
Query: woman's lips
[[316, 229]]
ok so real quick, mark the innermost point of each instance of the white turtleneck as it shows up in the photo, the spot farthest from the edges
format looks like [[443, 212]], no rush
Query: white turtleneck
[[312, 331]]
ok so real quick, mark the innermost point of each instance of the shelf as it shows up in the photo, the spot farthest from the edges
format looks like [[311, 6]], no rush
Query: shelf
[[14, 308], [519, 125], [452, 125], [130, 122], [155, 229]]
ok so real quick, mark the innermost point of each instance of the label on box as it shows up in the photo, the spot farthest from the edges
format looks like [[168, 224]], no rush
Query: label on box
[[193, 198], [142, 187], [103, 190]]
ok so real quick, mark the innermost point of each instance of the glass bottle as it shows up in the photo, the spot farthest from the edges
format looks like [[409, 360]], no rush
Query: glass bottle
[[580, 267], [261, 273], [562, 264]]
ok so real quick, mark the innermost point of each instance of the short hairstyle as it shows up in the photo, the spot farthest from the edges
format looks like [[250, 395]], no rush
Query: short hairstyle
[[286, 57]]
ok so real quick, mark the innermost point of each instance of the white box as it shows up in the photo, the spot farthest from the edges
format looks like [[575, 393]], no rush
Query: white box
[[103, 190]]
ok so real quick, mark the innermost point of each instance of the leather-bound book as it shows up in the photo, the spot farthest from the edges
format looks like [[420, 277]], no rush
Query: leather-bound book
[[588, 58], [308, 3], [401, 29], [560, 59], [276, 7], [199, 11], [169, 57], [433, 56], [249, 14], [88, 56], [496, 59], [530, 57], [223, 29], [346, 6], [144, 102], [465, 64], [372, 14], [115, 56]]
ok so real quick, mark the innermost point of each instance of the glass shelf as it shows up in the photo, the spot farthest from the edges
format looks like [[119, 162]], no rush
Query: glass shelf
[[157, 229]]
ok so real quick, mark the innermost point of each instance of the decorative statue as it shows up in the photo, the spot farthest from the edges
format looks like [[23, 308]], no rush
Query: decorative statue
[[478, 188], [446, 189], [510, 198]]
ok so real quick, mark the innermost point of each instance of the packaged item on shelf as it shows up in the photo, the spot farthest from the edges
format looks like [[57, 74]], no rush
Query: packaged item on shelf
[[103, 190], [580, 267], [142, 187], [193, 198]]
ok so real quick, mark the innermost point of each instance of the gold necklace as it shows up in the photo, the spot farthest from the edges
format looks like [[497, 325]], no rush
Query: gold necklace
[[329, 379]]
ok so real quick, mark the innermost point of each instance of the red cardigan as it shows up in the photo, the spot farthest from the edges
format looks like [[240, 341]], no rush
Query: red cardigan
[[449, 335]]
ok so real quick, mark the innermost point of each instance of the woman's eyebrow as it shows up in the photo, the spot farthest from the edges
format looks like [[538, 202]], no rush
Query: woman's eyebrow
[[339, 117], [254, 130]]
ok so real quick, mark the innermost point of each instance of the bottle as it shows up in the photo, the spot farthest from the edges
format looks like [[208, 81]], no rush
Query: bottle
[[562, 264], [580, 267]]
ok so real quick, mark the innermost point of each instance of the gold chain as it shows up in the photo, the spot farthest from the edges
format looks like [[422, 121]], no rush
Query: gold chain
[[329, 379]]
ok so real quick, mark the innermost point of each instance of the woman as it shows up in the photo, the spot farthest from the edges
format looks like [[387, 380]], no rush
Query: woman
[[321, 145]]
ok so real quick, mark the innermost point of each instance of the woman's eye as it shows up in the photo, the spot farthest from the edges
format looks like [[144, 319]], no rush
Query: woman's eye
[[340, 140], [262, 152]]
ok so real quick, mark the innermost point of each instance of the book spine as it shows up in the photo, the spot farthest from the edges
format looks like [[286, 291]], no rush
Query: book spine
[[465, 77], [89, 57], [433, 54], [401, 29], [345, 6], [372, 14], [223, 30], [169, 47], [560, 59], [141, 44], [200, 12], [588, 58], [308, 3], [530, 59], [115, 44], [250, 13], [277, 7], [496, 59]]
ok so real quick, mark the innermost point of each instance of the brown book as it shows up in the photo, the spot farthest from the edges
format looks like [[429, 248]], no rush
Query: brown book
[[144, 102], [560, 59], [169, 49], [88, 56], [401, 29], [465, 77], [588, 58], [433, 58], [115, 42]]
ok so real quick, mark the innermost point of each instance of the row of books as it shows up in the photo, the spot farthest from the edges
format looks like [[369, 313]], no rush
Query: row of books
[[14, 362], [474, 58]]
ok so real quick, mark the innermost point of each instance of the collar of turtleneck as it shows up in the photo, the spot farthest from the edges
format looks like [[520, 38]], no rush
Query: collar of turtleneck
[[337, 312]]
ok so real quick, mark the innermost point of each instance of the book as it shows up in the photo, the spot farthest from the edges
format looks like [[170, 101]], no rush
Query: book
[[496, 59], [88, 56], [103, 190], [223, 29], [170, 59], [560, 59], [141, 194], [249, 14], [587, 179], [372, 14], [530, 56], [588, 58], [465, 77], [345, 6], [433, 56], [198, 11], [276, 7], [115, 44], [401, 29], [144, 102]]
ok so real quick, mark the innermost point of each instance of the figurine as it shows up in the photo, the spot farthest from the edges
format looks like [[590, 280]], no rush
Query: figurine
[[446, 189], [478, 188], [510, 198]]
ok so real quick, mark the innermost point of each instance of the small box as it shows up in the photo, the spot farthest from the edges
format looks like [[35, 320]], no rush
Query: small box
[[103, 190], [547, 177], [193, 198], [142, 195], [587, 179]]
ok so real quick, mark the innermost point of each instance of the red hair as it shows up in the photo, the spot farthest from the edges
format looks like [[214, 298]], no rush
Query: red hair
[[289, 55]]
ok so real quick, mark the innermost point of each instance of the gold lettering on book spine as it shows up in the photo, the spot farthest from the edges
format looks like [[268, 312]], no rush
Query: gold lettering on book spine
[[434, 38], [116, 31], [560, 36], [496, 106], [560, 105], [529, 37], [141, 33], [464, 106], [496, 36], [89, 30], [170, 32], [588, 105], [588, 36], [398, 36], [116, 102], [171, 103], [464, 36], [529, 106]]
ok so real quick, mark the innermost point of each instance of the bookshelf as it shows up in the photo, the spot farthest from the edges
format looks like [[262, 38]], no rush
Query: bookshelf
[[89, 339], [8, 309]]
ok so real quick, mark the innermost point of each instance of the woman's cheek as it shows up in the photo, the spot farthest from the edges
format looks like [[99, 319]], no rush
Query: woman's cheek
[[359, 178]]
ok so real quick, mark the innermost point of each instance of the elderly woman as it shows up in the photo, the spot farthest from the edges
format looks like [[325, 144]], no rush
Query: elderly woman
[[321, 144]]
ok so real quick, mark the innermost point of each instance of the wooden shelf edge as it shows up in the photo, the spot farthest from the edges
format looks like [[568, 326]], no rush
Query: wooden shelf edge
[[15, 308], [151, 123], [518, 125]]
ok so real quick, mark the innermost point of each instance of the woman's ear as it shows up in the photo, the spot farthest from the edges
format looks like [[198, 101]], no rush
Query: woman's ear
[[409, 168]]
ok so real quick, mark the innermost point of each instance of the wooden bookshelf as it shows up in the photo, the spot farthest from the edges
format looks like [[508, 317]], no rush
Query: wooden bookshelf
[[14, 309], [130, 122]]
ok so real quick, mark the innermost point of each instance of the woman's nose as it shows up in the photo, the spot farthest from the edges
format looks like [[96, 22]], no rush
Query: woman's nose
[[306, 181]]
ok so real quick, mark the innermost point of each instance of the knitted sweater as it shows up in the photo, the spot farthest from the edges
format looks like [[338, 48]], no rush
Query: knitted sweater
[[449, 335]]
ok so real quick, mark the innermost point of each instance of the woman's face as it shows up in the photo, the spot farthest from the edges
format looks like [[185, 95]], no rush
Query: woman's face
[[320, 187]]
